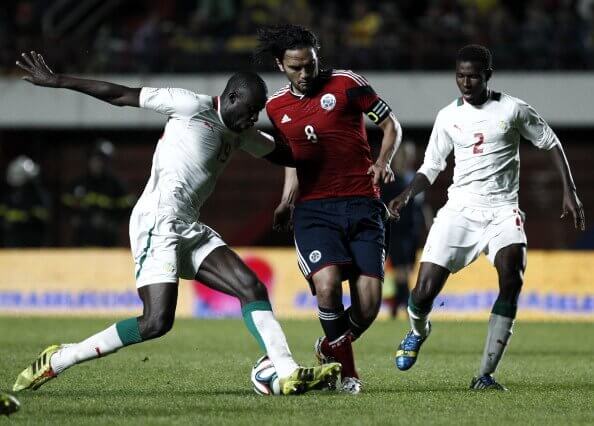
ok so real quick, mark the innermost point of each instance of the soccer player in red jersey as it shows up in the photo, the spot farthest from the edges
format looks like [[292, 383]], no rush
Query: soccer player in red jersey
[[338, 219]]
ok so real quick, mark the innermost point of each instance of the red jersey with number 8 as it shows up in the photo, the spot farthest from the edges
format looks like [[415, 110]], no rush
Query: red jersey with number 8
[[326, 132]]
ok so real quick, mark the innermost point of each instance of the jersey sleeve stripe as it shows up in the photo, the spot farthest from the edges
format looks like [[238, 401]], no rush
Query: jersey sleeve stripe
[[361, 81], [278, 94]]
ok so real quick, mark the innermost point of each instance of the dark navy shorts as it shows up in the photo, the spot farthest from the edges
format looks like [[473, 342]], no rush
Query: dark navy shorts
[[346, 231]]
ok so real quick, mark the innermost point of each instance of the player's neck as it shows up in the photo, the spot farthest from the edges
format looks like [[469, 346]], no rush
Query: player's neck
[[485, 96], [295, 91]]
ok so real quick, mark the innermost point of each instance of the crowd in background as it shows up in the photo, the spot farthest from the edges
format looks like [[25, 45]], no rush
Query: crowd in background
[[130, 36]]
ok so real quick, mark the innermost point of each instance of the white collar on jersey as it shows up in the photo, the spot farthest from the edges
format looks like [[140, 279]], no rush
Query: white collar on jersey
[[217, 100], [293, 92]]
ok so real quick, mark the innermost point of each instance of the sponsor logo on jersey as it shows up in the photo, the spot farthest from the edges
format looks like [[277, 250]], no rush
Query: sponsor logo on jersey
[[328, 101], [169, 267], [285, 119], [315, 256]]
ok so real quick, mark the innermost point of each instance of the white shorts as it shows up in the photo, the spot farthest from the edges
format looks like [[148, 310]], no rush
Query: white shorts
[[166, 248], [460, 234]]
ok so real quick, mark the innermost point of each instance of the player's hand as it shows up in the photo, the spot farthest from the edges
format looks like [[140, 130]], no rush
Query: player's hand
[[381, 172], [573, 205], [39, 73], [397, 204], [283, 217]]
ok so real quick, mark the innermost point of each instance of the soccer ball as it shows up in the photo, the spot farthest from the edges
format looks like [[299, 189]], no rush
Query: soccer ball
[[264, 377]]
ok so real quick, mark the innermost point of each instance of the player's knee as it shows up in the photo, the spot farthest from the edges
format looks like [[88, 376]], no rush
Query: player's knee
[[328, 294], [156, 325], [510, 282], [369, 313]]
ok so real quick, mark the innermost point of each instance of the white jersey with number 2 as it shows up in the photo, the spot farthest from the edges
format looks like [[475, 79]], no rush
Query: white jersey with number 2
[[486, 140]]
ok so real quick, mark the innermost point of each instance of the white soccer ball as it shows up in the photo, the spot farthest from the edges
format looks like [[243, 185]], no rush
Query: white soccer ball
[[264, 377]]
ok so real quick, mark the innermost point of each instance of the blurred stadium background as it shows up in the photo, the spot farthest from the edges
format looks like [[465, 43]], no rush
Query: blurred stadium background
[[543, 53]]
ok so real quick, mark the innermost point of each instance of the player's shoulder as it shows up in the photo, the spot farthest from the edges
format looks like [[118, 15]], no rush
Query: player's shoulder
[[277, 96], [450, 108], [347, 77], [512, 101]]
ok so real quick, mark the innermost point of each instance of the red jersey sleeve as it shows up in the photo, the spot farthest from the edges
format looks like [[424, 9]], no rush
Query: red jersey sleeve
[[363, 98]]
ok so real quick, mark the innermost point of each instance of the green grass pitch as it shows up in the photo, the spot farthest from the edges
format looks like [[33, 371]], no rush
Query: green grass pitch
[[199, 374]]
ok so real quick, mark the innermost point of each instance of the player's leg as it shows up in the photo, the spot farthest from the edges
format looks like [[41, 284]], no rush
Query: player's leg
[[367, 236], [157, 319], [321, 254], [510, 263], [430, 282], [334, 320], [223, 270], [366, 300]]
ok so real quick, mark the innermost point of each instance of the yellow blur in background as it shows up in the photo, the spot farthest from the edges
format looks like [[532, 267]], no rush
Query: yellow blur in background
[[558, 286]]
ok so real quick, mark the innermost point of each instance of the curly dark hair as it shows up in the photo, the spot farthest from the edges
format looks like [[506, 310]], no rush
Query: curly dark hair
[[476, 53], [274, 40]]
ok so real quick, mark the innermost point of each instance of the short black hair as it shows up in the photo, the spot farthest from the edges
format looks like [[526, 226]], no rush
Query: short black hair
[[476, 53], [274, 40], [246, 80]]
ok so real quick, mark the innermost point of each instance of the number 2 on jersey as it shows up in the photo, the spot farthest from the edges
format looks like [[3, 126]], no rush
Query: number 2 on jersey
[[480, 139], [310, 133]]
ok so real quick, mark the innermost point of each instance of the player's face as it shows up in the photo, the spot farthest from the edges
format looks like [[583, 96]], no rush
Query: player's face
[[240, 110], [301, 67], [472, 80]]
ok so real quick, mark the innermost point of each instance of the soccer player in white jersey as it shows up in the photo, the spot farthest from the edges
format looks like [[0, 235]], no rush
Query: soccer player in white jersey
[[168, 242], [483, 128]]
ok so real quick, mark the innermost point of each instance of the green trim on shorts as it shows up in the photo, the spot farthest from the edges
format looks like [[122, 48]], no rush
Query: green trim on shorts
[[143, 257]]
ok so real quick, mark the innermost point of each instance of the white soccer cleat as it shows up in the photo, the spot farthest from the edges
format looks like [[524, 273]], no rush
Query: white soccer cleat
[[351, 385]]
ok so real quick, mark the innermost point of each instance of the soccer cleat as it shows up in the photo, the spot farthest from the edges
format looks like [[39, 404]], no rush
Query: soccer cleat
[[8, 404], [408, 350], [351, 385], [320, 355], [37, 373], [324, 359], [486, 382], [305, 379]]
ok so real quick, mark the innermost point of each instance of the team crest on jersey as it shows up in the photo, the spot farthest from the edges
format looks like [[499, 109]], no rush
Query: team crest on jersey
[[315, 256], [328, 101], [502, 126]]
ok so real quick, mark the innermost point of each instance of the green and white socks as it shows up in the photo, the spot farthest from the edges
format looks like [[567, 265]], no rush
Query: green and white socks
[[120, 334], [500, 331], [261, 322], [258, 317], [418, 317]]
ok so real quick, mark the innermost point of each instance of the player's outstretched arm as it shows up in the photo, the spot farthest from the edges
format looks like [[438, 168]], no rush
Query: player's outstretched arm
[[571, 202], [419, 184], [39, 74]]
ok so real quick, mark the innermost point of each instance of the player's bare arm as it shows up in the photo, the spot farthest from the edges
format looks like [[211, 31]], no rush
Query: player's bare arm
[[571, 202], [381, 170], [283, 214], [40, 74], [419, 184]]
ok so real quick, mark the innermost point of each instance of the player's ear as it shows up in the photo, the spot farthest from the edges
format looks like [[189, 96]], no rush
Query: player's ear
[[279, 64]]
